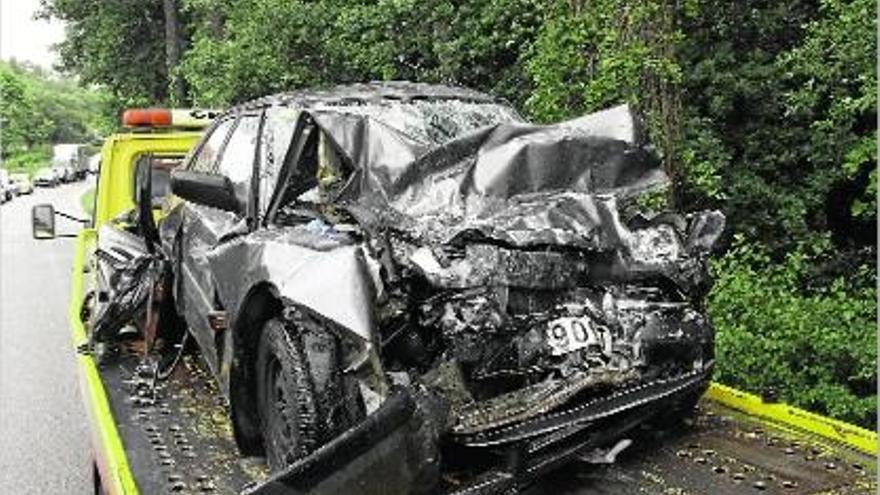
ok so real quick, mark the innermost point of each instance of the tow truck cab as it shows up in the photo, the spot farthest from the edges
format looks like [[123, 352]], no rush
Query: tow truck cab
[[153, 134]]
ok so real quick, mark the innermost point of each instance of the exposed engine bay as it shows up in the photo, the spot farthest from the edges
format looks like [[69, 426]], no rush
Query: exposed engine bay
[[506, 334]]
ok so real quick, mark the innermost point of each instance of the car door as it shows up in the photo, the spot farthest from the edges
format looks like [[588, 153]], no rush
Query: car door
[[229, 151]]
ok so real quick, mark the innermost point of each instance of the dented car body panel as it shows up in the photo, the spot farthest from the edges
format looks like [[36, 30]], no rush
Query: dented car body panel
[[500, 271]]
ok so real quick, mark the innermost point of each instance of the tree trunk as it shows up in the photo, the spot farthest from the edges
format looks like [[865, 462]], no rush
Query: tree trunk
[[172, 51]]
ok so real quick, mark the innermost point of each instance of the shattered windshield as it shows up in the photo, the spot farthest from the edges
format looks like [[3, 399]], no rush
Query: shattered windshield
[[435, 122]]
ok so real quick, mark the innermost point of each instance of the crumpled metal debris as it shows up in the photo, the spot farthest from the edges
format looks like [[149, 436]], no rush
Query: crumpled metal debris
[[517, 228], [500, 269], [128, 274]]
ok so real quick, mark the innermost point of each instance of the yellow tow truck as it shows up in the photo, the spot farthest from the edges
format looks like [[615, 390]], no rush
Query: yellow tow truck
[[175, 436]]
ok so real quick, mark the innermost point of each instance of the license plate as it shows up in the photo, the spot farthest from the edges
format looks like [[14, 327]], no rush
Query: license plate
[[569, 334]]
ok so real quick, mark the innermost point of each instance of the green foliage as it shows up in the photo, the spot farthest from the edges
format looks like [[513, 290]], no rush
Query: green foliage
[[789, 92], [36, 110], [267, 46], [274, 45], [29, 161], [704, 158], [117, 44], [834, 94], [599, 54], [87, 202], [816, 347], [22, 125]]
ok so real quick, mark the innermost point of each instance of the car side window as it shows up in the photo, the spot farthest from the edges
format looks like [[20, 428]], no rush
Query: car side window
[[206, 157], [237, 160]]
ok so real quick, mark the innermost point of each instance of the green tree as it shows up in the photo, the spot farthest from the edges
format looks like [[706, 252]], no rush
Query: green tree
[[245, 49], [37, 109], [16, 108], [590, 55], [832, 95], [131, 47]]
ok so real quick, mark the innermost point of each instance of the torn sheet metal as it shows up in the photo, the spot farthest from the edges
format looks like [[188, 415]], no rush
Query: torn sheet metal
[[486, 175], [501, 269], [519, 183]]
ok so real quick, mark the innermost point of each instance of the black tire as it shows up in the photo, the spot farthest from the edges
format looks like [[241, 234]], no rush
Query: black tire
[[285, 396], [97, 486], [303, 399]]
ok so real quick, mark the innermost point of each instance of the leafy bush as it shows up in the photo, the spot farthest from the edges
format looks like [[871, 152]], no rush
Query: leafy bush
[[29, 161], [37, 109], [815, 346]]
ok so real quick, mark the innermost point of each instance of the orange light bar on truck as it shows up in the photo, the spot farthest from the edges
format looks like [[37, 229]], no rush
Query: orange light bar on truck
[[146, 117], [165, 117]]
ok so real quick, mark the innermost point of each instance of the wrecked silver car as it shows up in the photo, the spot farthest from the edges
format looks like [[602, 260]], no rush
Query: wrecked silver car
[[405, 288]]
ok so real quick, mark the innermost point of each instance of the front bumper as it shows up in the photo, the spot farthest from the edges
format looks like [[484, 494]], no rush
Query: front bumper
[[397, 448], [531, 448]]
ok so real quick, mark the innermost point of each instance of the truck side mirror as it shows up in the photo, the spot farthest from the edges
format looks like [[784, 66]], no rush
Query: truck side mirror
[[43, 221], [206, 189]]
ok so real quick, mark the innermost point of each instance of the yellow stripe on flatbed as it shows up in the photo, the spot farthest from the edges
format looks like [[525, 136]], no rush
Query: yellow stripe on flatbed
[[109, 453], [831, 429]]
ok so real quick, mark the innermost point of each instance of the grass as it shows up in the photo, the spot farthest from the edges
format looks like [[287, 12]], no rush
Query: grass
[[87, 201]]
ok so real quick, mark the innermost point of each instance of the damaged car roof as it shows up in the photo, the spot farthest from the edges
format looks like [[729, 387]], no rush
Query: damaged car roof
[[371, 92], [439, 162]]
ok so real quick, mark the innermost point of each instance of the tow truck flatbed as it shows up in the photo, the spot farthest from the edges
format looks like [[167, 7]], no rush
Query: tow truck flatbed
[[175, 437], [176, 433], [179, 440]]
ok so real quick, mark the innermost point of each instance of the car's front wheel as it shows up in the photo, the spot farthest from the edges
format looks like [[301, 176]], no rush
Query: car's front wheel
[[285, 396], [303, 398]]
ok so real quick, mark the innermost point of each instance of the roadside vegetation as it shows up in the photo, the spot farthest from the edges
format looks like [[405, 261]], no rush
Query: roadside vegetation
[[87, 202], [765, 110], [38, 110]]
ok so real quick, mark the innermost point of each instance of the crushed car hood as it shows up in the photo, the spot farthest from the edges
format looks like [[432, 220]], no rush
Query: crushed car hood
[[521, 186]]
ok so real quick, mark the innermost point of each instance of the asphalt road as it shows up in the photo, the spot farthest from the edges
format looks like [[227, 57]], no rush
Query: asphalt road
[[44, 436]]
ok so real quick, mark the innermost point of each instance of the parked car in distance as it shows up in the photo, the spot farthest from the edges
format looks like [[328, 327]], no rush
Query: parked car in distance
[[46, 177], [7, 189], [22, 183]]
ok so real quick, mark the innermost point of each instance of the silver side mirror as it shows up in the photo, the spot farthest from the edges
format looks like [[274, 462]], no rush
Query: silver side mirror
[[43, 221]]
